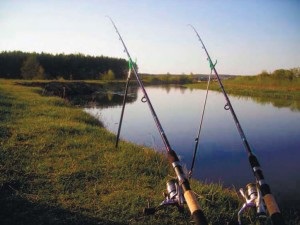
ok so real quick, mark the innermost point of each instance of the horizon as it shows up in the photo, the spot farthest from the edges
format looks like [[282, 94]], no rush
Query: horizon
[[143, 73]]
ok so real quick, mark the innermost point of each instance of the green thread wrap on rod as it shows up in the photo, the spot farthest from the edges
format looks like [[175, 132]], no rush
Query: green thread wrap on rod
[[211, 65], [130, 64]]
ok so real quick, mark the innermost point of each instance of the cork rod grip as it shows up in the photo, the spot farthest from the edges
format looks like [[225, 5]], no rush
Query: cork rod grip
[[273, 209], [198, 215], [271, 204]]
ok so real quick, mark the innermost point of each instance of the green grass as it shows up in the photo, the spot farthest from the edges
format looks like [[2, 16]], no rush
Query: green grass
[[281, 93], [58, 165]]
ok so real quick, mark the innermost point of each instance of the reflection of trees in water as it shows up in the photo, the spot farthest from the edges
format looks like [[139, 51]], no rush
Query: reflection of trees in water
[[279, 103], [276, 102], [111, 96], [182, 90], [88, 94], [168, 88]]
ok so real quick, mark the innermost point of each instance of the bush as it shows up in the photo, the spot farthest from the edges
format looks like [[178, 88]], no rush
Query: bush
[[31, 69], [283, 74], [109, 75]]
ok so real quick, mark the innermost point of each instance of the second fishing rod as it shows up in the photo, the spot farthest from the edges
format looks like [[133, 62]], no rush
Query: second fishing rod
[[273, 209], [190, 197]]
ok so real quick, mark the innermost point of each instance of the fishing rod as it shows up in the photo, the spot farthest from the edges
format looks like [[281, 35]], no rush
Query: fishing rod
[[190, 197], [124, 102], [272, 207]]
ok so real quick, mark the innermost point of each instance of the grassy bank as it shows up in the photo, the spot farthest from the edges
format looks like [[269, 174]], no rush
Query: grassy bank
[[279, 92], [254, 85], [58, 165], [257, 86]]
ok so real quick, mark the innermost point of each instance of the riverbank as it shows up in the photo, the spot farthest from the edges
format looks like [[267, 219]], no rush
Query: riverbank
[[59, 166], [282, 93]]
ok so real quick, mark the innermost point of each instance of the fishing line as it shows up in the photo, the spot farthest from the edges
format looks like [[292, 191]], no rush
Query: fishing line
[[124, 102], [182, 181], [200, 128], [157, 122], [269, 199]]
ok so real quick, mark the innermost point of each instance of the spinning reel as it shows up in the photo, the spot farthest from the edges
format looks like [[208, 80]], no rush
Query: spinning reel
[[253, 198], [173, 197]]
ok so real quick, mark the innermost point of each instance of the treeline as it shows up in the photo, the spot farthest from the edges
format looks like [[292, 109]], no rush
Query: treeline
[[168, 78], [22, 65], [278, 78], [281, 74]]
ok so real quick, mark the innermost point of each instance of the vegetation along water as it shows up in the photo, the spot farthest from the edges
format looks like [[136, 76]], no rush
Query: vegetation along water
[[59, 165], [56, 168]]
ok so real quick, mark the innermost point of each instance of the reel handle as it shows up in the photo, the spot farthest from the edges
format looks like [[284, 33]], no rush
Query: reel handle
[[243, 193]]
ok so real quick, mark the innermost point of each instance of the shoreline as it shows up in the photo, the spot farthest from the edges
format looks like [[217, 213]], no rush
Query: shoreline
[[63, 159]]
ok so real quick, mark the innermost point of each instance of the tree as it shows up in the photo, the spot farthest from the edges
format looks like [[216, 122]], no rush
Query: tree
[[283, 74], [263, 75], [296, 71], [31, 69], [109, 75], [59, 65]]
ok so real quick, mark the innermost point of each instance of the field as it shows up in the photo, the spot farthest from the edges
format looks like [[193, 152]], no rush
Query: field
[[58, 165]]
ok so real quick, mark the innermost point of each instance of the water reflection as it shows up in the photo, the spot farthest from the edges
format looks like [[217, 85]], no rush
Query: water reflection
[[111, 96], [272, 132], [276, 102], [279, 103]]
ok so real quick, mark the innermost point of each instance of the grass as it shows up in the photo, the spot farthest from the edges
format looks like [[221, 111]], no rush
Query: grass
[[281, 93], [58, 165]]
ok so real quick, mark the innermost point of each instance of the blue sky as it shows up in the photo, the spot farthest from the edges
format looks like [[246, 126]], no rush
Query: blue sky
[[245, 36]]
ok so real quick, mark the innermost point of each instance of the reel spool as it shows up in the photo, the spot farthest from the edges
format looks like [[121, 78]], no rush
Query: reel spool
[[253, 198], [173, 197]]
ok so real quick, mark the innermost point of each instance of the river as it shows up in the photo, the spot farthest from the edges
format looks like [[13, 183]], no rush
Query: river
[[273, 134]]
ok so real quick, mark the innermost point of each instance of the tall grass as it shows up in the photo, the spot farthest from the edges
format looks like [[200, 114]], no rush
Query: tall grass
[[58, 165]]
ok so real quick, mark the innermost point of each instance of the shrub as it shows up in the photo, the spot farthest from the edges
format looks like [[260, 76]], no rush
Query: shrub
[[109, 75]]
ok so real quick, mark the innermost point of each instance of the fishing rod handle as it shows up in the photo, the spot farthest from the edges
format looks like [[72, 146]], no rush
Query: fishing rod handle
[[195, 209], [190, 197], [271, 204], [273, 209]]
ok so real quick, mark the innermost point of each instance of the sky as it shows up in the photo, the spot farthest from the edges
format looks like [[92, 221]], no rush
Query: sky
[[244, 36]]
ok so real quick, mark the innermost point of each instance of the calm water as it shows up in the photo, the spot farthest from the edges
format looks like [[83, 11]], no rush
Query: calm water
[[273, 133]]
